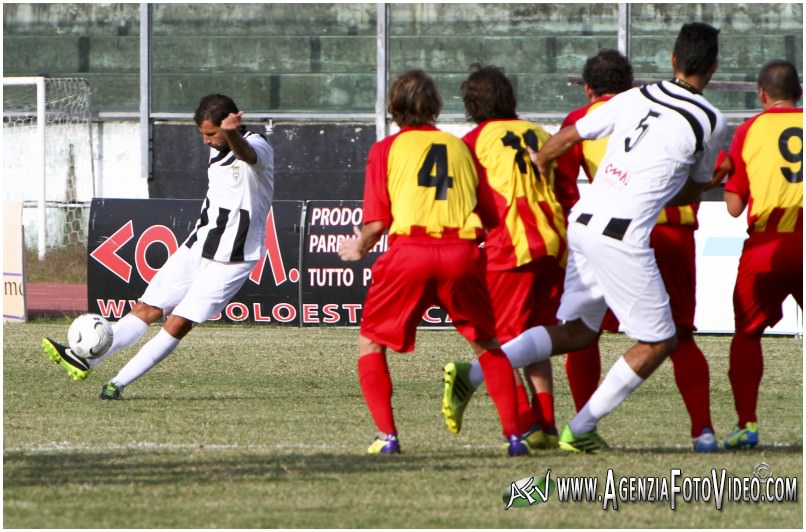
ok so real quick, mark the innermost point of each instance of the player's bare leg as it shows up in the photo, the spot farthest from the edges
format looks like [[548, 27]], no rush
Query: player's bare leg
[[626, 375]]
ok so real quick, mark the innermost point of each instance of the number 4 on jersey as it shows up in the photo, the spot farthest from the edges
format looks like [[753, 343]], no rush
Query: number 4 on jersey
[[434, 171]]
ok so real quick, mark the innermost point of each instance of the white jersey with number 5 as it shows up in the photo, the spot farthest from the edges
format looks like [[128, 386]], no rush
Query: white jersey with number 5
[[660, 134]]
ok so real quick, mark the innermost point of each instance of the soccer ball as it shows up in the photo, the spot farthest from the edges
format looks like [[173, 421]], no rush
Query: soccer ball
[[89, 336]]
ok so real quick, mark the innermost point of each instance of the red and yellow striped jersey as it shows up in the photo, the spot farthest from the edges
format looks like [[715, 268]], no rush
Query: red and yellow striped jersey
[[423, 181], [767, 156], [587, 155], [532, 220]]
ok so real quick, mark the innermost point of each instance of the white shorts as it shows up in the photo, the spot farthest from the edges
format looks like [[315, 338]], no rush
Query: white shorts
[[193, 287], [603, 272]]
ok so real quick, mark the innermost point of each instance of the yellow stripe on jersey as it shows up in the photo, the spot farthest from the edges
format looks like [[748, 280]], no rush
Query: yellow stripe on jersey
[[774, 183], [677, 215], [433, 179], [593, 151], [501, 150]]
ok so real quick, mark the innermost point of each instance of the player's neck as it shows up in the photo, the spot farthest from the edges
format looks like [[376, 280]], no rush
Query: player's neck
[[691, 83], [780, 104]]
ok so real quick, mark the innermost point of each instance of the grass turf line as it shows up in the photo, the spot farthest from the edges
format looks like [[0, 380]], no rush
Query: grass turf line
[[265, 427]]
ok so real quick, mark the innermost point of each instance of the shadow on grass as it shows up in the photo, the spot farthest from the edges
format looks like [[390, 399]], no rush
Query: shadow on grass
[[95, 469], [774, 449]]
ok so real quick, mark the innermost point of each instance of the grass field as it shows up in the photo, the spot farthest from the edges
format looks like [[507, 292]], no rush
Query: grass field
[[262, 427]]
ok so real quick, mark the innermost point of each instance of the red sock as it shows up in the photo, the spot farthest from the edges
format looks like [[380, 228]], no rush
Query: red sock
[[500, 383], [746, 368], [376, 385], [543, 406], [525, 416], [693, 381], [584, 368]]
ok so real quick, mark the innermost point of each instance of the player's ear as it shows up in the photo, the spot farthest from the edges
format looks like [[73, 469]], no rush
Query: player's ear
[[588, 91], [762, 97]]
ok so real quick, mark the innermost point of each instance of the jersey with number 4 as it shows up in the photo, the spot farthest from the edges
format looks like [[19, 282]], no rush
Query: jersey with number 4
[[767, 155], [422, 181], [660, 134]]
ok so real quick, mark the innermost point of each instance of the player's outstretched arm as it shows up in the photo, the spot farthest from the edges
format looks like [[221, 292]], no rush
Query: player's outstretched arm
[[356, 248], [557, 145]]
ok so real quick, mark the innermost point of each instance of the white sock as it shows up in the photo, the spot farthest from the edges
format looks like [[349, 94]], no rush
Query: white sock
[[126, 331], [476, 376], [533, 345], [154, 351], [619, 383]]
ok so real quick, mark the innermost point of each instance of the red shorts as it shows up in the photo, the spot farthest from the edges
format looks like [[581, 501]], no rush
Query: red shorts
[[418, 272], [676, 257], [770, 269], [525, 297]]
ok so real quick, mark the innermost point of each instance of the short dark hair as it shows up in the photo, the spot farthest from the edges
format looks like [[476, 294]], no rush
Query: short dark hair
[[780, 79], [414, 99], [488, 93], [696, 48], [608, 72], [214, 107]]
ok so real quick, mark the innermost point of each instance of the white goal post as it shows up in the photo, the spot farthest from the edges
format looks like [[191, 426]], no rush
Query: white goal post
[[48, 156]]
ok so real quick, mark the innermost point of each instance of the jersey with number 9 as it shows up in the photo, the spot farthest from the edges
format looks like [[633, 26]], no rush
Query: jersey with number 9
[[769, 147]]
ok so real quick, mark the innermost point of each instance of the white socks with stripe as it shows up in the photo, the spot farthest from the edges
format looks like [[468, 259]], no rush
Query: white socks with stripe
[[619, 383], [151, 354], [126, 332], [533, 345]]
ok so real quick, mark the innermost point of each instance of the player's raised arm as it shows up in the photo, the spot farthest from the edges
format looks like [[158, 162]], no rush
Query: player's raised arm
[[231, 127], [554, 148]]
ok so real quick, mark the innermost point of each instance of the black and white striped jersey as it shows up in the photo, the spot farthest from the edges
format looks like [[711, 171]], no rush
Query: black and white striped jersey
[[232, 223], [660, 134]]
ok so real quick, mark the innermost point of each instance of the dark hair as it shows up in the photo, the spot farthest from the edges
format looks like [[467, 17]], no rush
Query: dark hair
[[608, 72], [414, 99], [780, 79], [488, 93], [696, 48], [214, 107]]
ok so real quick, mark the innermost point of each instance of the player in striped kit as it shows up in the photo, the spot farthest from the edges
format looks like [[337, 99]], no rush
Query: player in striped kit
[[766, 159], [421, 185], [525, 254], [664, 139], [607, 74], [209, 268]]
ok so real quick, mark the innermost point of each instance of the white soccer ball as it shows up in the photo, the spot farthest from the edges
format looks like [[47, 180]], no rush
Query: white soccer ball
[[90, 336]]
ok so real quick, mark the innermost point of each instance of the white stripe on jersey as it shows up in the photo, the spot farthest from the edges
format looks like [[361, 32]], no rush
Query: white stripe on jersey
[[232, 221], [660, 134]]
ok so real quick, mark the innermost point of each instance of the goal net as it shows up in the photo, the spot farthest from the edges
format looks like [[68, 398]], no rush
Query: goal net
[[48, 158]]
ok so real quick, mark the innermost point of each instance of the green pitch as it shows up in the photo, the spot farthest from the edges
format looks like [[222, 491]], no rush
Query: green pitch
[[262, 427]]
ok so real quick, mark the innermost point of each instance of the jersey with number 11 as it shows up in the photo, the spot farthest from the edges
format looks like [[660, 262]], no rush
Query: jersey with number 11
[[422, 181]]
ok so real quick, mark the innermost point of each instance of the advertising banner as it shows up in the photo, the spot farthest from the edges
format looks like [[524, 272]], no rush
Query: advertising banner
[[333, 291], [130, 240], [14, 309], [302, 281]]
